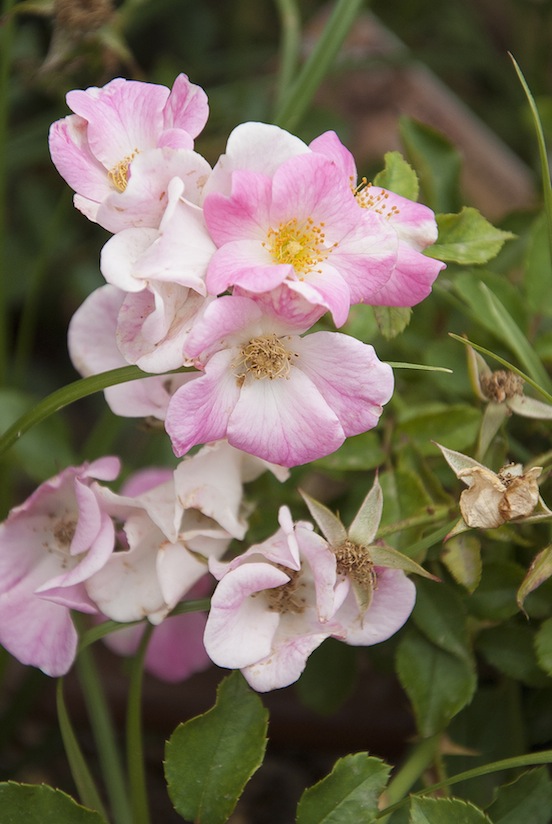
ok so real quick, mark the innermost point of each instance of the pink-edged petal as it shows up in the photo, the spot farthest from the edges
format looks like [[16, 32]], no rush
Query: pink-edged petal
[[366, 257], [413, 222], [325, 288], [223, 321], [70, 597], [177, 571], [311, 187], [74, 161], [120, 257], [331, 146], [186, 108], [284, 303], [92, 561], [411, 280], [259, 147], [242, 215], [323, 569], [175, 139], [124, 117], [239, 628], [198, 412], [285, 421], [284, 665], [247, 264], [392, 602], [352, 380], [145, 398]]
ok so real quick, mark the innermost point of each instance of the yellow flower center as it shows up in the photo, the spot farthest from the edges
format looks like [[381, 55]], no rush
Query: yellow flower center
[[368, 199], [263, 357], [118, 175], [302, 246]]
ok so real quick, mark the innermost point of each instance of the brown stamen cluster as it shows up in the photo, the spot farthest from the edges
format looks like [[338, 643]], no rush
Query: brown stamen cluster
[[263, 357], [501, 385], [118, 175], [368, 199], [354, 560], [287, 597], [301, 246]]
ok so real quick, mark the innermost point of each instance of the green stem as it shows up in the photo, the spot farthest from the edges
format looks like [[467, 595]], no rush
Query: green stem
[[104, 736], [5, 60], [69, 394], [318, 64], [289, 47], [415, 765], [437, 513], [84, 782], [135, 748], [518, 762]]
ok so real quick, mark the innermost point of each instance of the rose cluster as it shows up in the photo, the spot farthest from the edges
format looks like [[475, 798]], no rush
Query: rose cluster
[[227, 268], [224, 270]]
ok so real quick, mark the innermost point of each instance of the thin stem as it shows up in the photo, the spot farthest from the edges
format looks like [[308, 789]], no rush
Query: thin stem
[[71, 393], [135, 747], [5, 60], [289, 47], [318, 64], [415, 765], [104, 736], [84, 782]]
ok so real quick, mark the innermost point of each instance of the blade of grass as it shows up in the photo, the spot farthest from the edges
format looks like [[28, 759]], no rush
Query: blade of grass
[[290, 44], [297, 101]]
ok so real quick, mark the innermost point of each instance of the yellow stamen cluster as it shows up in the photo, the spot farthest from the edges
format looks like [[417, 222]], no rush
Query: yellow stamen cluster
[[302, 246], [118, 175], [353, 560], [263, 357], [367, 199]]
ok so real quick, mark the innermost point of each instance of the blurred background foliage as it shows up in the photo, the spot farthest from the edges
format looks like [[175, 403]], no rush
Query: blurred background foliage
[[49, 257]]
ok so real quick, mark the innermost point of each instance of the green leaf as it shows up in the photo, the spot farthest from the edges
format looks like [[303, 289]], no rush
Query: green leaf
[[386, 556], [456, 425], [329, 677], [348, 795], [392, 320], [437, 683], [359, 453], [445, 811], [537, 276], [398, 176], [509, 648], [437, 163], [365, 524], [441, 615], [209, 759], [462, 557], [539, 572], [543, 646], [495, 597], [467, 238], [329, 524], [40, 804], [528, 799]]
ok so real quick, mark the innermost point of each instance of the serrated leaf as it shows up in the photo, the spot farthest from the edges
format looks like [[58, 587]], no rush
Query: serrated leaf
[[436, 161], [41, 804], [210, 758], [347, 795], [445, 811], [398, 176], [437, 683], [543, 646], [392, 320], [527, 799], [441, 615], [539, 572], [467, 238], [462, 557]]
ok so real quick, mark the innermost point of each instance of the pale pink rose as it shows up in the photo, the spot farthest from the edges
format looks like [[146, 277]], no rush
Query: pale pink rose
[[413, 273], [298, 228], [273, 606], [95, 149], [175, 650], [113, 328], [284, 398], [49, 547]]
